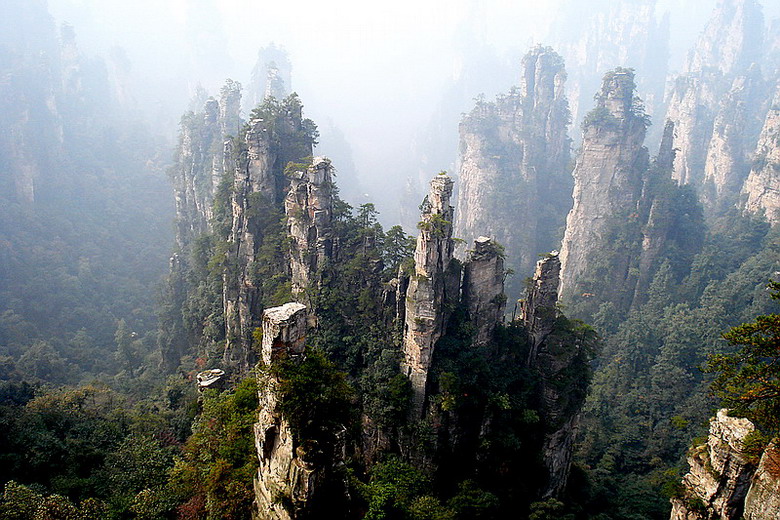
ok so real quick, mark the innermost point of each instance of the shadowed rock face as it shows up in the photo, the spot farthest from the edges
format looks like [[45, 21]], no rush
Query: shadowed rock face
[[720, 473], [608, 175], [513, 168], [483, 288], [538, 310], [433, 284], [762, 188]]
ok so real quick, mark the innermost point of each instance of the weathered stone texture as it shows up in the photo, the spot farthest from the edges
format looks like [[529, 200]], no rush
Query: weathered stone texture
[[538, 310], [762, 188], [763, 499], [608, 176]]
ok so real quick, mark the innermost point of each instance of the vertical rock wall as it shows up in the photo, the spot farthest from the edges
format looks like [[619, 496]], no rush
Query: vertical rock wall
[[608, 175], [538, 310], [762, 188], [763, 498]]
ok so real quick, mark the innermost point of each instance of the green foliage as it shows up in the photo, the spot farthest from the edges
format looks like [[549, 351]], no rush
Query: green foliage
[[748, 380], [214, 475], [314, 397]]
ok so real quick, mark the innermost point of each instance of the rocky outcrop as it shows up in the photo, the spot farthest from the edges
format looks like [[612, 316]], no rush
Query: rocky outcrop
[[763, 498], [309, 209], [483, 288], [514, 155], [287, 482], [719, 475], [762, 188], [433, 287], [608, 175]]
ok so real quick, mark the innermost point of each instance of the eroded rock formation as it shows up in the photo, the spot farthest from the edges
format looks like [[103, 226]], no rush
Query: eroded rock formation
[[514, 156], [432, 288], [719, 475], [287, 482], [538, 310]]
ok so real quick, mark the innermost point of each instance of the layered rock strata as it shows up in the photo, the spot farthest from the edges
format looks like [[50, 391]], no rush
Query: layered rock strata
[[762, 188], [720, 473], [514, 154], [309, 209], [483, 288], [432, 288]]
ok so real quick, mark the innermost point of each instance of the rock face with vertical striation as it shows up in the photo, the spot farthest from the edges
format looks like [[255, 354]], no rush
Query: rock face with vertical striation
[[718, 104], [309, 209], [514, 156], [762, 187], [550, 357], [608, 175], [720, 473], [433, 287], [483, 288], [538, 310], [287, 482]]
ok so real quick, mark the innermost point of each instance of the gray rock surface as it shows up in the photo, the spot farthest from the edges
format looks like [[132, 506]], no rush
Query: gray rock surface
[[762, 187], [763, 498], [483, 288]]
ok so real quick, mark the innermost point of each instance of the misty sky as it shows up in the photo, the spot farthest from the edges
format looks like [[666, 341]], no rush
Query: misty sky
[[376, 70]]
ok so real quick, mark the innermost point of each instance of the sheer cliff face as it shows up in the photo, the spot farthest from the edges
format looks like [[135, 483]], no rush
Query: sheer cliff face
[[433, 285], [483, 288], [718, 104], [514, 157], [763, 498], [608, 175], [762, 188]]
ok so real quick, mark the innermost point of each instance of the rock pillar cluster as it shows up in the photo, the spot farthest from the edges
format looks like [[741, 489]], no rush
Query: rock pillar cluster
[[309, 209], [514, 156], [433, 286]]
